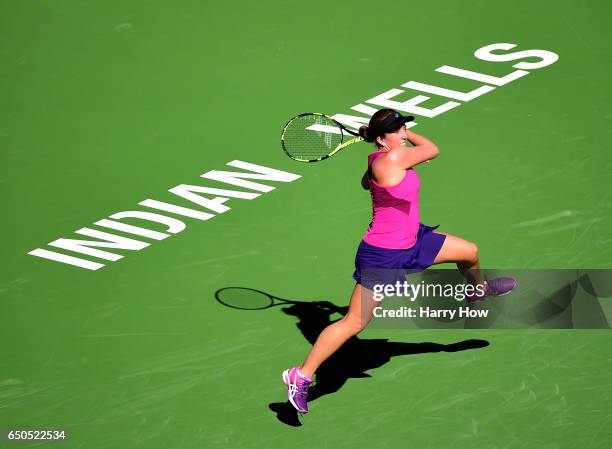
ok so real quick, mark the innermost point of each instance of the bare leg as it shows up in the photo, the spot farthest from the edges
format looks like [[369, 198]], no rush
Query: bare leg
[[464, 254], [336, 334]]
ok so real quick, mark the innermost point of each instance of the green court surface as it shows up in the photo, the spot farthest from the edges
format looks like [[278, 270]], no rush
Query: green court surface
[[104, 105]]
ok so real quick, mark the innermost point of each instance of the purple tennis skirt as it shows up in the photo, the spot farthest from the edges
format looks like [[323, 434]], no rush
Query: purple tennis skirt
[[374, 265]]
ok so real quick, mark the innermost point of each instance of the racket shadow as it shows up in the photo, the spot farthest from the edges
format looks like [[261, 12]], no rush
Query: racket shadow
[[354, 358]]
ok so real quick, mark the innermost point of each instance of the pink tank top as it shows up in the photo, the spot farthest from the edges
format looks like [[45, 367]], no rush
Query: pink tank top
[[395, 211]]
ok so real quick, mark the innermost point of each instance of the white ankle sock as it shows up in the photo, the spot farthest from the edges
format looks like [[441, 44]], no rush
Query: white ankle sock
[[304, 376]]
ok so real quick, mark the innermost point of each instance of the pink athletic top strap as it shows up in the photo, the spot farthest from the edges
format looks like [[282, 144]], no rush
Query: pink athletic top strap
[[395, 211]]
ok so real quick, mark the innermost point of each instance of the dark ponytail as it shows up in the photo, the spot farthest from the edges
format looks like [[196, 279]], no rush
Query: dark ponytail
[[363, 132]]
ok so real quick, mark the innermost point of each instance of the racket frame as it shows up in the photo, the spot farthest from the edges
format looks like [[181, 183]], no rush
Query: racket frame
[[334, 151], [228, 304]]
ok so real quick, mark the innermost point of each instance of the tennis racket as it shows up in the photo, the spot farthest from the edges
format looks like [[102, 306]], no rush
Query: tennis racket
[[313, 137], [251, 299]]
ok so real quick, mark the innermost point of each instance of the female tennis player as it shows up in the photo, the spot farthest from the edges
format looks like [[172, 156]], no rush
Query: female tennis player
[[395, 240]]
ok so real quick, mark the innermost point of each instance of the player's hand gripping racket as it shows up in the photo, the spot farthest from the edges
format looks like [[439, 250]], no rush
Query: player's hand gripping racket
[[313, 137]]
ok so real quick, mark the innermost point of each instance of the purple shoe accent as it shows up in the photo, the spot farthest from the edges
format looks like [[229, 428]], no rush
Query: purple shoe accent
[[500, 286], [495, 287], [297, 388]]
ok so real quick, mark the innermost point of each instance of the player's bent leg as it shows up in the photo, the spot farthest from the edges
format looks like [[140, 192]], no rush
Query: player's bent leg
[[465, 255], [298, 378], [361, 309], [457, 250]]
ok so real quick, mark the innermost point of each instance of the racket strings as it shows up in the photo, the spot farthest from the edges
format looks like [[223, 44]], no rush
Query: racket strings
[[311, 137]]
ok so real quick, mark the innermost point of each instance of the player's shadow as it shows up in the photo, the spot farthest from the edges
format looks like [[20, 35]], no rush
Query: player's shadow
[[354, 358]]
